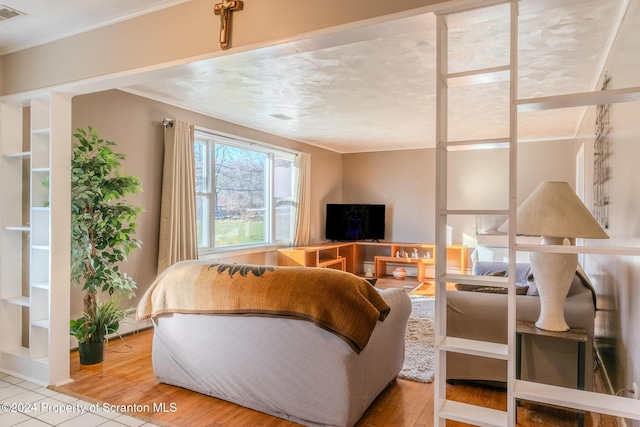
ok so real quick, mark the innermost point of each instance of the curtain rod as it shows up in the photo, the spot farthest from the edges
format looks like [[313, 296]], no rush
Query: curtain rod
[[247, 141], [167, 122]]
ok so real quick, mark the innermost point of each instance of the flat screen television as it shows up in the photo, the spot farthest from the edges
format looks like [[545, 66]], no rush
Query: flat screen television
[[347, 222]]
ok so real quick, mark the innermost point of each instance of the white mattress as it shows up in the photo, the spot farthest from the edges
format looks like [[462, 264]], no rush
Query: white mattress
[[288, 368]]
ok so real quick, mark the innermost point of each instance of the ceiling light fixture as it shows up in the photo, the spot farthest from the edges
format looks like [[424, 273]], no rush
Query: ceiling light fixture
[[281, 116]]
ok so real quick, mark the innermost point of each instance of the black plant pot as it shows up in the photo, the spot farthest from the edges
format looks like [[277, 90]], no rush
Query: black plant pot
[[91, 352]]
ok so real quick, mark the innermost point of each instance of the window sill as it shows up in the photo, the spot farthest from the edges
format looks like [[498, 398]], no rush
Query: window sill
[[214, 254]]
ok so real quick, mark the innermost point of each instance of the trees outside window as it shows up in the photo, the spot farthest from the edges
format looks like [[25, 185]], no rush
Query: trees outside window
[[245, 193]]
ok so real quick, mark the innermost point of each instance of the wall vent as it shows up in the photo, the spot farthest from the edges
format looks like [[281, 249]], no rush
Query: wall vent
[[7, 13]]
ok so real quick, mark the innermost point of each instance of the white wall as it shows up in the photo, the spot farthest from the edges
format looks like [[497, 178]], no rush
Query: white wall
[[617, 278]]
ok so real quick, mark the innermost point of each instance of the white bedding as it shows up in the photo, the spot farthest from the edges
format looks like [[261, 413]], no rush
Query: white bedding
[[284, 367]]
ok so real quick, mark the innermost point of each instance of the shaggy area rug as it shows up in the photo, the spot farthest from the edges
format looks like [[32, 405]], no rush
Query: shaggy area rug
[[419, 348]]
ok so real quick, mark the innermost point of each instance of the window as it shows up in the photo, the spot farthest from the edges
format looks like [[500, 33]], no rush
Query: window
[[245, 192]]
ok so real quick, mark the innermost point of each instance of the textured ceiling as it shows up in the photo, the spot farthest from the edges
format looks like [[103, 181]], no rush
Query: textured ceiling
[[378, 92], [372, 88]]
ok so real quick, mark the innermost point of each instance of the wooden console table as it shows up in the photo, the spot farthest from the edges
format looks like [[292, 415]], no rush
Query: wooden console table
[[352, 256], [339, 256], [380, 265]]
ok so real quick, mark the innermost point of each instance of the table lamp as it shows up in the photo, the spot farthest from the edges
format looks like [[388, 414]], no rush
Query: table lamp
[[554, 212]]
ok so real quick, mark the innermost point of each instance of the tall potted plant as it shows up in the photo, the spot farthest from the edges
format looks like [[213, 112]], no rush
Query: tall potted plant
[[103, 227]]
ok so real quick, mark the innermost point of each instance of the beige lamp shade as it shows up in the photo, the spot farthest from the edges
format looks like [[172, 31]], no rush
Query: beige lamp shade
[[554, 210]]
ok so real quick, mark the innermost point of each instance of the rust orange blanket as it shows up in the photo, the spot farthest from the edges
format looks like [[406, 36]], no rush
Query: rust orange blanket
[[339, 302]]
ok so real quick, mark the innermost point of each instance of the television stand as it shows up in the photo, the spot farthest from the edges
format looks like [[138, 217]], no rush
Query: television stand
[[355, 256], [380, 265]]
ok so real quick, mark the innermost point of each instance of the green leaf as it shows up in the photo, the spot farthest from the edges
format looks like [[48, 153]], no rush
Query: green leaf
[[103, 226]]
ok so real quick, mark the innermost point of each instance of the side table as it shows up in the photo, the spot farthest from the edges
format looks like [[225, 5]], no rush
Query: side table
[[576, 335]]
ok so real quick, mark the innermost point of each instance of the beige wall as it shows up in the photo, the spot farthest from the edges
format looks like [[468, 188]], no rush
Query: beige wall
[[405, 182], [134, 124], [181, 34], [401, 180], [617, 278]]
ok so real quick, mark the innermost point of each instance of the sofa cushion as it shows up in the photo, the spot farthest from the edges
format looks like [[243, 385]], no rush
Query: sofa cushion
[[524, 277], [520, 289]]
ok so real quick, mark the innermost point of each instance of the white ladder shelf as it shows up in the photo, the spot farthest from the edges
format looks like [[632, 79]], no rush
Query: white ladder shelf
[[445, 409]]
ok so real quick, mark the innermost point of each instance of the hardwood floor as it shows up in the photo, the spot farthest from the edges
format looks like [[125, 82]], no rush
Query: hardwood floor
[[126, 378]]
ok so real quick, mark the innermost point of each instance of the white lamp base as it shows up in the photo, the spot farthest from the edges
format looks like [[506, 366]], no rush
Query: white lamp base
[[553, 274]]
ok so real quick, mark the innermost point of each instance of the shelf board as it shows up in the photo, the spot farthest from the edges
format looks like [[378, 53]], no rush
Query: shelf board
[[17, 351], [472, 414], [330, 262], [481, 76], [40, 208], [473, 212], [41, 285], [405, 260], [324, 260], [565, 249], [41, 247], [578, 399], [41, 323], [409, 279], [478, 144], [530, 328], [41, 170], [41, 131], [21, 155], [18, 228], [579, 99], [21, 300], [473, 347]]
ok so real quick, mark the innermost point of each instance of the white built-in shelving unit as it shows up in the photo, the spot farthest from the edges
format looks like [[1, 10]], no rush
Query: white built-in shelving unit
[[445, 409], [34, 243]]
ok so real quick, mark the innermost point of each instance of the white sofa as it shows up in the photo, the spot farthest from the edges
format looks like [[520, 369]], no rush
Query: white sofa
[[285, 367]]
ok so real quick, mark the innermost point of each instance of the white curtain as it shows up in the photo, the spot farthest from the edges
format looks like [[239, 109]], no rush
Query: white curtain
[[302, 233], [178, 235]]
